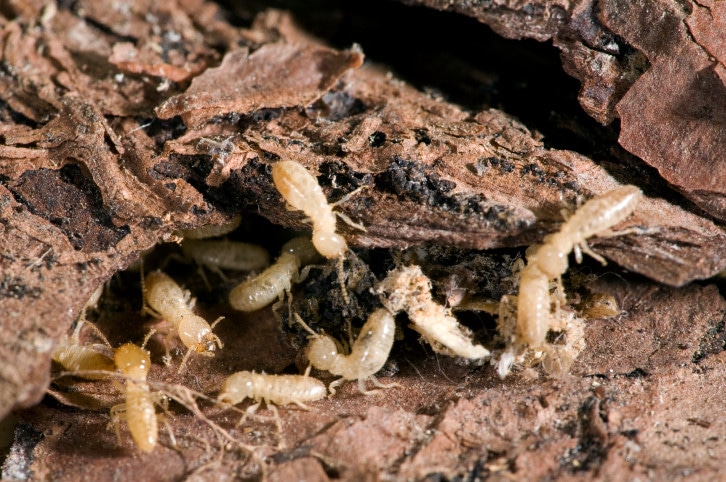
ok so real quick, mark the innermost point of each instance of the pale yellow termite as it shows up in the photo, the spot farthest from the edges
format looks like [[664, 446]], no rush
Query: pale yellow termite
[[556, 356], [533, 304], [408, 289], [550, 260], [134, 363], [277, 389], [261, 290], [87, 360], [166, 299], [367, 356]]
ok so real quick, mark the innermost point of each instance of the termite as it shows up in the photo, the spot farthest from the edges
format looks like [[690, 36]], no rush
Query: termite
[[556, 354], [90, 358], [598, 305], [134, 363], [533, 304], [225, 254], [77, 358], [367, 356], [408, 289], [261, 290], [166, 299], [277, 389], [549, 261], [301, 191], [595, 216], [212, 231]]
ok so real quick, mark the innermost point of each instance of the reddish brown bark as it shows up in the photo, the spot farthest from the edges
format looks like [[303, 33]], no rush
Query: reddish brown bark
[[122, 125]]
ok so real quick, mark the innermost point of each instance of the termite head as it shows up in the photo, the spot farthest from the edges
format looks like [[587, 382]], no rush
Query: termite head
[[329, 244], [551, 260], [196, 334], [599, 305], [322, 352], [132, 360], [302, 248], [237, 387]]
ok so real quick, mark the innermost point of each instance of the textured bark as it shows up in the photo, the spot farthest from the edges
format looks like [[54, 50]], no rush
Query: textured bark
[[658, 66], [122, 125]]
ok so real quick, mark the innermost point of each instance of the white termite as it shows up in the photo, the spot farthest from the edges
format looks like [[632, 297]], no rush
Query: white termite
[[167, 300], [596, 216], [212, 230], [277, 389], [301, 191], [261, 290], [408, 289], [556, 355], [226, 254], [367, 355], [549, 261], [533, 304]]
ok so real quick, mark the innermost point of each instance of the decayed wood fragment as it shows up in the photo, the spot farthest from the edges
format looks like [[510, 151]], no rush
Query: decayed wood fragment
[[434, 174], [658, 66], [78, 126], [247, 82]]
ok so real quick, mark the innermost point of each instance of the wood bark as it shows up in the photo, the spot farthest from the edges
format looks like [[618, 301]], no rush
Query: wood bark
[[122, 125]]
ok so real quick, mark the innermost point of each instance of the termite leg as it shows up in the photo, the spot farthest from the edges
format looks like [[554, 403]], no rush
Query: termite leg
[[203, 275], [118, 413], [250, 412], [350, 222], [302, 405], [333, 385], [583, 246], [362, 388], [183, 363], [277, 305], [378, 383], [163, 420]]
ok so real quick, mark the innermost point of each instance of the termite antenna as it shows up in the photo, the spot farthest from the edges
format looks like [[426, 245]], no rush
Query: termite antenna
[[148, 336], [299, 320], [145, 309], [96, 330], [183, 363], [212, 326], [345, 217], [350, 222]]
